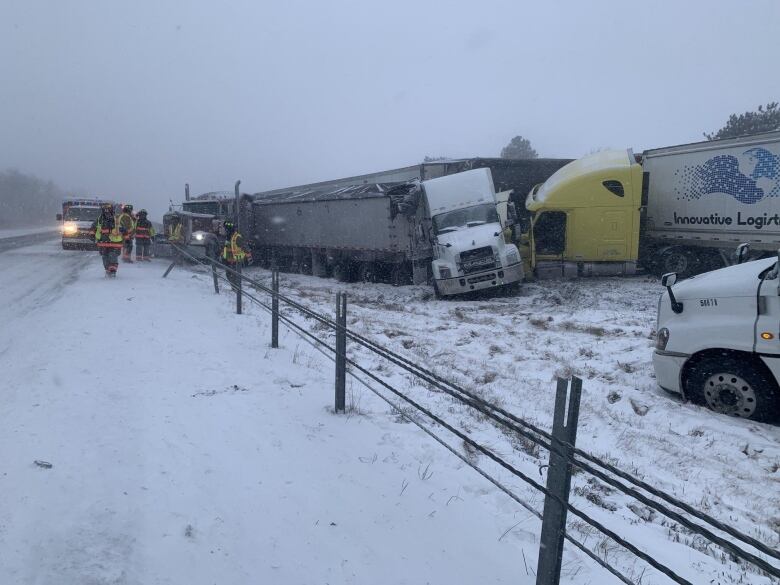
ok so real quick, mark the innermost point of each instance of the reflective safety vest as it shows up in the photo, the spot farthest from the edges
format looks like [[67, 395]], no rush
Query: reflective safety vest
[[143, 232], [107, 237], [126, 221], [233, 253], [174, 233]]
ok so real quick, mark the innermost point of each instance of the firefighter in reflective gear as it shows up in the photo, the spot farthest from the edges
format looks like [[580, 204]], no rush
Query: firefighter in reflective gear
[[127, 227], [174, 231], [233, 252], [108, 238], [144, 232]]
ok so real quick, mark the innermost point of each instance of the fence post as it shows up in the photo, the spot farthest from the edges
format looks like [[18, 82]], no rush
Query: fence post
[[275, 309], [238, 287], [214, 276], [548, 568], [341, 351]]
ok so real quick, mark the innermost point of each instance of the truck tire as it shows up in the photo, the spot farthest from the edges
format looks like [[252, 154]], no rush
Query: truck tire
[[735, 386], [677, 259], [366, 272]]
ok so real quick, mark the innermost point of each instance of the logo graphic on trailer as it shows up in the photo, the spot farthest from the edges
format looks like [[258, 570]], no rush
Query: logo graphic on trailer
[[749, 178]]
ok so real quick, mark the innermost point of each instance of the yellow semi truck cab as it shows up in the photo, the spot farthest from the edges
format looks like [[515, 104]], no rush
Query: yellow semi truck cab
[[585, 218]]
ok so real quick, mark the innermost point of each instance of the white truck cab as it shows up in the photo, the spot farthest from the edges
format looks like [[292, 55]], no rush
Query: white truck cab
[[718, 339], [469, 249]]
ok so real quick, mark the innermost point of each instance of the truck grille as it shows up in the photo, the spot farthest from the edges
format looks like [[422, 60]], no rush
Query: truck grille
[[483, 278], [477, 259]]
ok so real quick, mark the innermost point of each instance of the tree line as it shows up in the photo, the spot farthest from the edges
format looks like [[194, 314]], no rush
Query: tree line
[[26, 200]]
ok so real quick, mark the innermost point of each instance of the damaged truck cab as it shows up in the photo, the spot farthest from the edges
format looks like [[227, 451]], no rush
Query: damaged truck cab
[[585, 218], [469, 249]]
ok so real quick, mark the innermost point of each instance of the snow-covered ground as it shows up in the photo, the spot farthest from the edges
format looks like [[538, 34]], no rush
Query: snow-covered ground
[[510, 348], [185, 450], [14, 232]]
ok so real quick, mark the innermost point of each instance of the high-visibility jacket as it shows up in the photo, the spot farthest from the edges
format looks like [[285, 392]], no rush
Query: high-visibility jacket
[[233, 251], [174, 233], [107, 233], [126, 221], [144, 229]]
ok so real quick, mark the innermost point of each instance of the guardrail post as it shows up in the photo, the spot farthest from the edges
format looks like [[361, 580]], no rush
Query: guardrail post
[[275, 309], [214, 276], [548, 568], [341, 351], [238, 287]]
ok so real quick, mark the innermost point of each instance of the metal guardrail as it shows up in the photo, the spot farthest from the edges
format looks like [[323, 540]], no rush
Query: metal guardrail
[[560, 443]]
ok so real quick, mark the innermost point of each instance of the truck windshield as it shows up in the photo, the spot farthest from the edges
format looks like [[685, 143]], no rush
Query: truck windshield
[[82, 214], [466, 217]]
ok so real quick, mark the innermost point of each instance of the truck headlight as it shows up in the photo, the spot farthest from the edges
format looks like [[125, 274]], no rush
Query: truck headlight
[[662, 339], [512, 257], [199, 236], [445, 272], [69, 229]]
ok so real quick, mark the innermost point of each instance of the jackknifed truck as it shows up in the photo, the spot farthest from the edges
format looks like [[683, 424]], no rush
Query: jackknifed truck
[[679, 209], [446, 230]]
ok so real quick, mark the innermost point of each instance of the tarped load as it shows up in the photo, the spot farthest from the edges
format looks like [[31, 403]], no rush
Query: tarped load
[[405, 198]]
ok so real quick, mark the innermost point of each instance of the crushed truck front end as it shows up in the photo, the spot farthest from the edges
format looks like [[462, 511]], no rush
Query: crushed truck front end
[[470, 250], [586, 217]]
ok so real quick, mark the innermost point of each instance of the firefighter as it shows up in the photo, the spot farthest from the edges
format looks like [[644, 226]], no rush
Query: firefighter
[[127, 227], [108, 239], [175, 237], [174, 231], [144, 232], [233, 253]]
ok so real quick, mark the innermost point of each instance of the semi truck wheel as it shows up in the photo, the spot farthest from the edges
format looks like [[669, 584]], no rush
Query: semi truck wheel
[[679, 260], [734, 386]]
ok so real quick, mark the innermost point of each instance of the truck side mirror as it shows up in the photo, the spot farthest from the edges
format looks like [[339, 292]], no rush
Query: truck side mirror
[[668, 280], [59, 217], [742, 252]]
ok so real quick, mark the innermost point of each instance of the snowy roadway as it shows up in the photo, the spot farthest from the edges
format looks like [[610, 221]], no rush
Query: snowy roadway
[[185, 450]]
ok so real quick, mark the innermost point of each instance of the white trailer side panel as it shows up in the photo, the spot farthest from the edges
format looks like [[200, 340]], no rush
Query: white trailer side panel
[[716, 193]]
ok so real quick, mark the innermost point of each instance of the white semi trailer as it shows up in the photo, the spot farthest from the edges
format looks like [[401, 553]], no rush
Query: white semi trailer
[[705, 198]]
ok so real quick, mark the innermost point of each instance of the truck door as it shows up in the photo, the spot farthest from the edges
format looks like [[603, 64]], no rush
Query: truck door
[[549, 234], [767, 333]]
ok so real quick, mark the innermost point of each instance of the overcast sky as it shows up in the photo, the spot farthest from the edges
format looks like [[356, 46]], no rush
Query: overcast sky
[[133, 99]]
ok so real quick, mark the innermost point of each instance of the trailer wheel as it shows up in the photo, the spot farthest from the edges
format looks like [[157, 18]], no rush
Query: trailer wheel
[[734, 386], [366, 272], [679, 260]]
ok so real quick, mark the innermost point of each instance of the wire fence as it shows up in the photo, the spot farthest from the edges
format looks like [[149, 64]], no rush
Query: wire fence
[[564, 455]]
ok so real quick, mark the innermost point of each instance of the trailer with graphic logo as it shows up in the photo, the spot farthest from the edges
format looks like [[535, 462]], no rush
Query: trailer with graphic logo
[[679, 209]]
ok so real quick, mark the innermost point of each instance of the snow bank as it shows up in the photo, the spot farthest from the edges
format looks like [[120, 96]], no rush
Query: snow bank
[[14, 232]]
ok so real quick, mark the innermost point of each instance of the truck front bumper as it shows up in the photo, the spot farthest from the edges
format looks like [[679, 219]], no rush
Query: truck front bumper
[[79, 240], [668, 366], [480, 280]]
